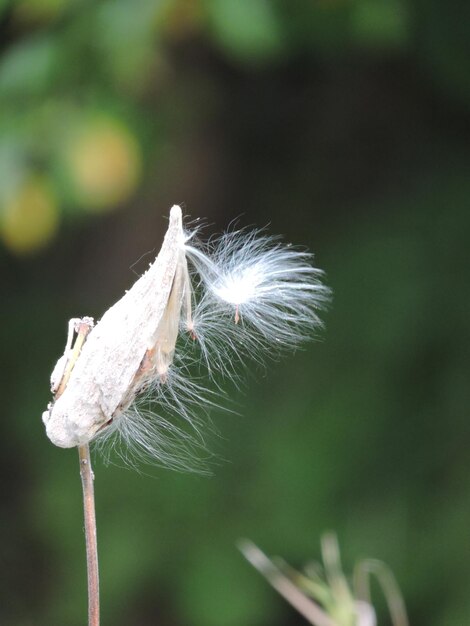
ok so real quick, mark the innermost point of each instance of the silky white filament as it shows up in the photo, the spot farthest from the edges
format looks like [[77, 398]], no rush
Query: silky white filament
[[244, 295], [268, 288]]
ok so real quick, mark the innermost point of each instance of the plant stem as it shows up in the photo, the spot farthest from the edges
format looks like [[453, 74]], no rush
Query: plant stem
[[82, 328], [305, 605], [87, 477]]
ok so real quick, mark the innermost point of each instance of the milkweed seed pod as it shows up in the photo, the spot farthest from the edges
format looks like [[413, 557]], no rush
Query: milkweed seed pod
[[243, 295]]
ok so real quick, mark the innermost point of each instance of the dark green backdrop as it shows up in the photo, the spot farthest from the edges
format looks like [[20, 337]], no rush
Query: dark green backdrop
[[345, 126]]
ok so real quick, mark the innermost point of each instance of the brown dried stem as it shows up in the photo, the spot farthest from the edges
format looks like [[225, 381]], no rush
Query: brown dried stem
[[87, 477]]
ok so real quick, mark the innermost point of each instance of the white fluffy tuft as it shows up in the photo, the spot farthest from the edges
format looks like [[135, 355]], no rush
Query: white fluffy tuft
[[246, 295], [163, 426], [260, 293]]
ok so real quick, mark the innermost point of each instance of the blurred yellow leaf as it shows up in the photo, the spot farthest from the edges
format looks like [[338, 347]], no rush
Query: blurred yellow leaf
[[103, 164], [29, 217]]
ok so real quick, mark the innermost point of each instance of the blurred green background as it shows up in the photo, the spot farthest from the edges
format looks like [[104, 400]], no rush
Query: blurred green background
[[345, 126]]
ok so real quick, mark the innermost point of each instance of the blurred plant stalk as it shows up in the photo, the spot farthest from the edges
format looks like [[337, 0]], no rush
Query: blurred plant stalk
[[331, 600]]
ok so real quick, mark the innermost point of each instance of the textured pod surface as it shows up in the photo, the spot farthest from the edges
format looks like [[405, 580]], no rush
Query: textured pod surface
[[102, 382]]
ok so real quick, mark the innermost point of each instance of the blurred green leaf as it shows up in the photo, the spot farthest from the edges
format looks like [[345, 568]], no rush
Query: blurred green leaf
[[41, 11], [27, 67], [248, 30], [443, 42], [118, 22], [13, 168], [380, 23]]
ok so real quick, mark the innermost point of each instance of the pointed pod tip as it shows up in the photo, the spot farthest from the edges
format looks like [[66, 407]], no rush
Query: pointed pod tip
[[175, 212]]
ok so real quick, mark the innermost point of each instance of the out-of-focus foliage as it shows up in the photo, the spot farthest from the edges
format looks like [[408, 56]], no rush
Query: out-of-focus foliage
[[30, 216], [323, 594], [65, 65], [101, 162], [345, 125]]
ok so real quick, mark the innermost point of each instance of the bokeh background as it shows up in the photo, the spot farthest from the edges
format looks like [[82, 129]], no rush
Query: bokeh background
[[345, 126]]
